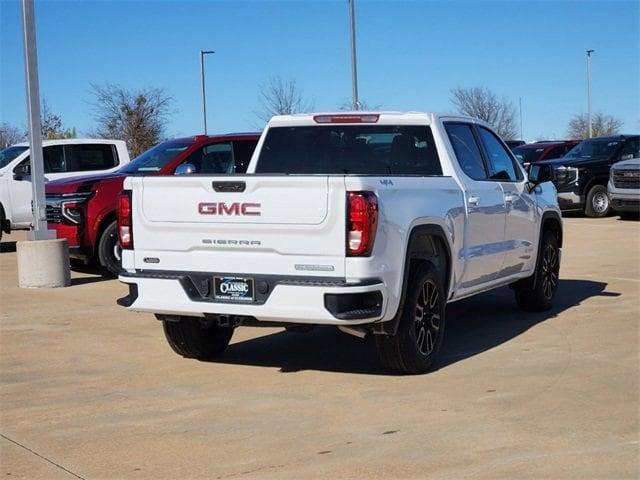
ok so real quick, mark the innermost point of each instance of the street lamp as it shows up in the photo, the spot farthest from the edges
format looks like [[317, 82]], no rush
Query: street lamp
[[354, 70], [589, 52], [204, 97]]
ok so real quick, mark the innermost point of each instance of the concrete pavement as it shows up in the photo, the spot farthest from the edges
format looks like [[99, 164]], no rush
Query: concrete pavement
[[89, 390]]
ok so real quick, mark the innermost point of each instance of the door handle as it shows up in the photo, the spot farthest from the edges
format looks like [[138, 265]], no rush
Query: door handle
[[508, 198], [473, 200]]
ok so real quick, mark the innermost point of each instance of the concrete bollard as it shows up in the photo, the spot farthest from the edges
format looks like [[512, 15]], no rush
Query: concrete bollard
[[43, 263]]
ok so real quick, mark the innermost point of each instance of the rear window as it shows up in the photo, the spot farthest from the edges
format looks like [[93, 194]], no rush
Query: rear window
[[350, 149]]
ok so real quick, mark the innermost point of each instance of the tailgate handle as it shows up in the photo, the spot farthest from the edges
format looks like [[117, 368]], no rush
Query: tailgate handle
[[226, 187]]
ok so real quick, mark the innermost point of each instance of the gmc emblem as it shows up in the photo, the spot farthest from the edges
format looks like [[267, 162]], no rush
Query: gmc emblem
[[221, 208]]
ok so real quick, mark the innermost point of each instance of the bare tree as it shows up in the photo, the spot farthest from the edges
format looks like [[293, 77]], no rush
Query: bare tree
[[10, 135], [52, 128], [601, 125], [281, 97], [482, 103], [364, 106], [138, 117]]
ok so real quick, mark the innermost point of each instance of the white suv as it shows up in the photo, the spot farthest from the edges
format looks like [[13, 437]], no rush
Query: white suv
[[62, 159], [371, 222]]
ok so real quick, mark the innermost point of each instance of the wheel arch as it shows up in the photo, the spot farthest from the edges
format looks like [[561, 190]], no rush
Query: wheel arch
[[426, 243], [593, 181], [5, 223], [106, 220], [550, 221]]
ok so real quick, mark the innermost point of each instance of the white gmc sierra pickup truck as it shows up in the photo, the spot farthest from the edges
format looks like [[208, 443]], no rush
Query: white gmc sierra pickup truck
[[372, 222]]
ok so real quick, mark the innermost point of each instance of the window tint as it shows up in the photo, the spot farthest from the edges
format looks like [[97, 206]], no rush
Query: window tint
[[594, 148], [215, 159], [631, 147], [9, 154], [25, 161], [528, 154], [54, 160], [156, 158], [350, 149], [501, 165], [466, 149], [90, 157], [556, 152], [242, 151]]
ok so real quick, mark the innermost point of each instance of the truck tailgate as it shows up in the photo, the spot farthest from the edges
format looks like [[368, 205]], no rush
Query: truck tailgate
[[282, 225]]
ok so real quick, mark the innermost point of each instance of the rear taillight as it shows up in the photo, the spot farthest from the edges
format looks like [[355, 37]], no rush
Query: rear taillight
[[125, 231], [362, 222]]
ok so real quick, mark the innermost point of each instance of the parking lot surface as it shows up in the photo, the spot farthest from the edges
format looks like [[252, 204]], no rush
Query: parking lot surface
[[89, 390]]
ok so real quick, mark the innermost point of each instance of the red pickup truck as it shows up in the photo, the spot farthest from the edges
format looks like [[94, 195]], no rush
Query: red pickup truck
[[83, 209]]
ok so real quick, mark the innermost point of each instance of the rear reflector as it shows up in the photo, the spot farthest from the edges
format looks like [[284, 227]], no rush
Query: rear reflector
[[125, 232], [362, 223], [366, 118]]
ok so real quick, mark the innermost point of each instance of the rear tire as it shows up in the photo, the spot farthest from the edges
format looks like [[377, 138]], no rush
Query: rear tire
[[540, 297], [109, 251], [192, 337], [597, 202], [421, 329]]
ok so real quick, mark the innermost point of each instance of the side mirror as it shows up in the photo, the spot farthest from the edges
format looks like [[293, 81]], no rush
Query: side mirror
[[185, 169], [541, 173], [21, 171]]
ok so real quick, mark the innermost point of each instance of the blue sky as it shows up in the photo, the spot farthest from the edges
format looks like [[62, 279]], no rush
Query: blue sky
[[410, 54]]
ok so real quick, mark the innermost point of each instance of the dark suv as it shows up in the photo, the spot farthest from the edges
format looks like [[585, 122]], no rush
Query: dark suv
[[546, 150], [583, 173]]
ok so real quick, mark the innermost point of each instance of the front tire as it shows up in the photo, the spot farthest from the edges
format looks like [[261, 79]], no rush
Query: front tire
[[421, 329], [109, 252], [195, 338], [597, 202], [536, 294]]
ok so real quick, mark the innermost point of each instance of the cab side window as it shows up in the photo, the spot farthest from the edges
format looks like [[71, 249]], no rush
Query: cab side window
[[213, 159], [54, 161], [631, 149], [467, 150], [242, 151], [556, 152], [89, 157], [53, 158], [501, 165]]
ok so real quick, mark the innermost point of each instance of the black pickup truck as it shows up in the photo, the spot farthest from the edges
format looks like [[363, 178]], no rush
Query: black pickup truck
[[581, 176]]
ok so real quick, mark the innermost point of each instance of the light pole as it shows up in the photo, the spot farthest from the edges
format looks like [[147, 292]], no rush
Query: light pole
[[354, 68], [43, 260], [39, 231], [589, 52], [204, 97], [521, 134]]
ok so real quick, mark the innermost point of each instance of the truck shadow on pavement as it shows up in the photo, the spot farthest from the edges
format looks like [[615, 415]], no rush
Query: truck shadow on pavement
[[474, 325], [7, 247]]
